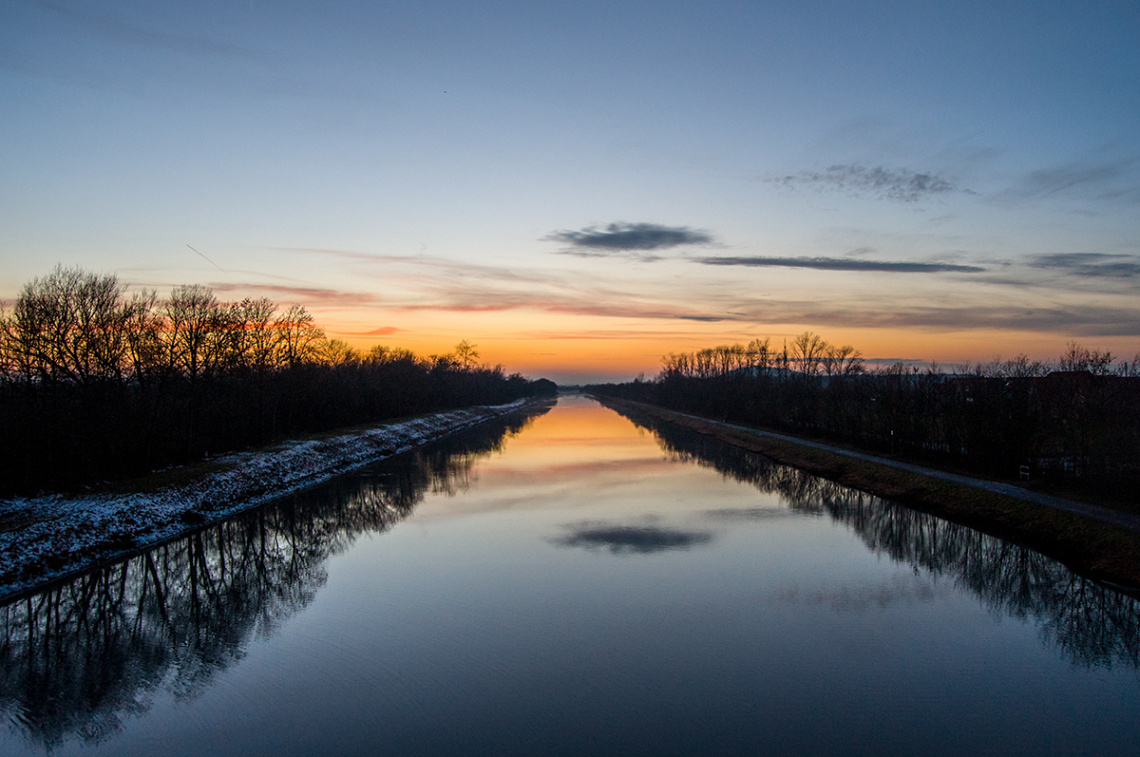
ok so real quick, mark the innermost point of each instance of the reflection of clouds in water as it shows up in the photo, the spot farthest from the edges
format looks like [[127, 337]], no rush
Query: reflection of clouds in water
[[630, 540], [905, 590], [756, 513], [606, 468]]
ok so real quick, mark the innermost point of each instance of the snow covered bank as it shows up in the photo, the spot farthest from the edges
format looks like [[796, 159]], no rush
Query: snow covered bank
[[44, 538]]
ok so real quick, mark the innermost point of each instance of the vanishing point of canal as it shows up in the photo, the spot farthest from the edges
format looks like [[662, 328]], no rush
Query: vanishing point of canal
[[574, 583]]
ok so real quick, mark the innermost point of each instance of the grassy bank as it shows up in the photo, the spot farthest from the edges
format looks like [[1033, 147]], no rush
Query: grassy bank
[[1102, 551], [51, 537]]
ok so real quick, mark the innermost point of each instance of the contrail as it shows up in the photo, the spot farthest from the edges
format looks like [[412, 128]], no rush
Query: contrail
[[209, 261]]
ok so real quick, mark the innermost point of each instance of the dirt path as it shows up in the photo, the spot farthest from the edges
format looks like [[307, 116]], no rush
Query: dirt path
[[1103, 514], [1094, 541]]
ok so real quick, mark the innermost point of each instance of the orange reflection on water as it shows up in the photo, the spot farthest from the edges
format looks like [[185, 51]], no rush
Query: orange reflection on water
[[583, 457], [581, 429], [579, 441]]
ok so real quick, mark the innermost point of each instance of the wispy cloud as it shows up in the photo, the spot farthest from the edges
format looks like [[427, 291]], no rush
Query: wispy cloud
[[387, 266], [419, 284], [490, 302], [119, 30], [1090, 264], [1084, 321], [842, 264], [624, 238], [382, 331], [898, 185], [1113, 179], [437, 284], [857, 599], [594, 335], [753, 513], [307, 295], [109, 47]]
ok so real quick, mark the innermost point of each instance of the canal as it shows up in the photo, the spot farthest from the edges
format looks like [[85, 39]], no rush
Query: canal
[[575, 582]]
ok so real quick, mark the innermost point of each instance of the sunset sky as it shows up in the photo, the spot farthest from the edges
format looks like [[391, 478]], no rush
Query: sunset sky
[[579, 188]]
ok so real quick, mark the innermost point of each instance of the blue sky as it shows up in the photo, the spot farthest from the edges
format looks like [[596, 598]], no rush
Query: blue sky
[[579, 188]]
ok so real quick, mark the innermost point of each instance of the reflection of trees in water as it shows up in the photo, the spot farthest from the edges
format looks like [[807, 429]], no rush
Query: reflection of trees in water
[[1092, 624], [77, 658]]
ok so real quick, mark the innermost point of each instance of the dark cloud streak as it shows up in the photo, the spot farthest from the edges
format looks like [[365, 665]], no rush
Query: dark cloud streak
[[898, 185], [1115, 179], [444, 285], [1081, 321], [1090, 264], [111, 26], [628, 237], [842, 264], [448, 285], [307, 295]]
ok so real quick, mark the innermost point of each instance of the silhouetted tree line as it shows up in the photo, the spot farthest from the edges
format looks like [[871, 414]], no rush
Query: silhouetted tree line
[[96, 384], [1078, 418], [1091, 624], [77, 658]]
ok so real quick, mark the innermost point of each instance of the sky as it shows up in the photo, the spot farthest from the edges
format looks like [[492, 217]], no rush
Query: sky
[[581, 188]]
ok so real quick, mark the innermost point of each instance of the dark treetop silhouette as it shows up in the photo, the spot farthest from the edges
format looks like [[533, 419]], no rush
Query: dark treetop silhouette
[[1076, 420], [96, 384]]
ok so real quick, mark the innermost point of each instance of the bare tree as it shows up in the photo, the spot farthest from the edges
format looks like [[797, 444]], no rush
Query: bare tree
[[1078, 358], [69, 326], [807, 352], [299, 339], [194, 318], [842, 361], [253, 334], [1021, 366], [338, 352], [144, 334], [760, 353], [466, 354], [381, 355]]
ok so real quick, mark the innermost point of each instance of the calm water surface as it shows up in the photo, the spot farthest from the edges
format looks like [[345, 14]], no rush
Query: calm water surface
[[575, 583]]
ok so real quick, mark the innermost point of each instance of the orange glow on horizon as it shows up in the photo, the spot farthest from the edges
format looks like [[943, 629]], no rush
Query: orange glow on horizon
[[602, 349]]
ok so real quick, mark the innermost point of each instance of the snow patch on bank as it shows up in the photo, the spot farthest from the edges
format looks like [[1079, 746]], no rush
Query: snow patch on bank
[[48, 537]]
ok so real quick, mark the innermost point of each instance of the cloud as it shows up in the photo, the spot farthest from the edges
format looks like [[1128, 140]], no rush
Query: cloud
[[753, 513], [118, 30], [467, 301], [641, 257], [382, 331], [631, 540], [117, 48], [1090, 264], [307, 295], [1115, 179], [604, 335], [899, 185], [1078, 320], [620, 238], [386, 266], [416, 284], [438, 284], [906, 590], [842, 264]]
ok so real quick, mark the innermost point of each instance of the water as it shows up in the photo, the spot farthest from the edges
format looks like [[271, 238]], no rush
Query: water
[[574, 583]]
